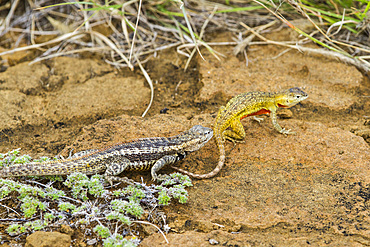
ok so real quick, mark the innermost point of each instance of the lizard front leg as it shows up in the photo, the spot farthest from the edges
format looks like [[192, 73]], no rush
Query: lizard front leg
[[277, 126], [168, 159]]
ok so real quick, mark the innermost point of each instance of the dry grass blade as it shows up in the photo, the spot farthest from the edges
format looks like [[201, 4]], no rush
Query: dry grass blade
[[147, 77], [113, 46], [334, 55], [164, 23], [335, 47], [200, 37], [93, 49], [9, 208], [9, 16], [136, 26], [189, 27], [148, 223], [124, 27], [56, 40], [302, 10], [242, 45]]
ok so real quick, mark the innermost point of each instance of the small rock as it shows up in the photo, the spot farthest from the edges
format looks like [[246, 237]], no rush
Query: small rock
[[164, 110], [48, 239], [189, 116], [91, 241], [213, 241]]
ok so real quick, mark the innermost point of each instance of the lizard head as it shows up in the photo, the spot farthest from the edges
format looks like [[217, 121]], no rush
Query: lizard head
[[199, 136], [290, 97]]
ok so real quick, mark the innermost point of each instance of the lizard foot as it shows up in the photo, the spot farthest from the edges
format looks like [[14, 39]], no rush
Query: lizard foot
[[161, 177], [110, 180], [258, 119], [287, 132]]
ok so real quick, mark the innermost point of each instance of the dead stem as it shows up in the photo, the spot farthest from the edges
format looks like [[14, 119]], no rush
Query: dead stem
[[359, 63], [143, 28]]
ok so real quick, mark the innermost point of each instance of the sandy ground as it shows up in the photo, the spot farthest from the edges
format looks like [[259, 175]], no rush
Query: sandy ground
[[310, 189]]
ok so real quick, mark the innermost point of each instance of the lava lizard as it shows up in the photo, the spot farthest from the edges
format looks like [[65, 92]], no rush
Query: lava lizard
[[141, 154], [242, 106]]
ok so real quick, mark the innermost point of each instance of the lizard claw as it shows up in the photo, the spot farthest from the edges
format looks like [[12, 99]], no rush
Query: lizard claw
[[110, 180], [287, 132], [258, 119], [161, 177]]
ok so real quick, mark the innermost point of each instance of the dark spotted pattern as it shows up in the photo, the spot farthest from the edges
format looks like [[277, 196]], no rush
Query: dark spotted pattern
[[141, 154]]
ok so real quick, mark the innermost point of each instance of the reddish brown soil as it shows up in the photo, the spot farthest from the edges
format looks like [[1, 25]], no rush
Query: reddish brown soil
[[311, 188]]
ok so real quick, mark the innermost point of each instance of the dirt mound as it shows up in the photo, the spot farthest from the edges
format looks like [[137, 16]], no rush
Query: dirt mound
[[308, 188]]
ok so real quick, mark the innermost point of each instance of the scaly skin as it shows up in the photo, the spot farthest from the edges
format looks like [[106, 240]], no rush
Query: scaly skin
[[141, 154], [245, 105]]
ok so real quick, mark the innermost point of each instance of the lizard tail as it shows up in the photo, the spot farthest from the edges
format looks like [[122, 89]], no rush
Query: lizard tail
[[213, 173], [41, 169]]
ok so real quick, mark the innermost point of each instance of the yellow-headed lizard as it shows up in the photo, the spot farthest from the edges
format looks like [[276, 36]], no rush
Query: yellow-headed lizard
[[245, 105]]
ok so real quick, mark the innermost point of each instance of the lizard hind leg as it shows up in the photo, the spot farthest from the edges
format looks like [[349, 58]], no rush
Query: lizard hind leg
[[237, 133], [116, 168]]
